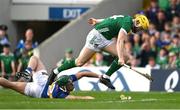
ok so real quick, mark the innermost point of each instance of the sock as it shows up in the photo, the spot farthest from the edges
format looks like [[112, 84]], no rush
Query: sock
[[28, 70], [113, 67], [106, 76], [65, 66]]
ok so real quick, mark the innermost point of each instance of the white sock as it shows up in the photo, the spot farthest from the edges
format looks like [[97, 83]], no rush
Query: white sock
[[106, 76], [56, 71]]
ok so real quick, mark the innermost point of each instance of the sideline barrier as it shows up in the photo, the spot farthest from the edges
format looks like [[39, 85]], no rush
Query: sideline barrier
[[124, 79], [165, 80]]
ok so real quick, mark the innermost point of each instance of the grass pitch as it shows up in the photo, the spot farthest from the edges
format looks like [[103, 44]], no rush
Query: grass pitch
[[104, 100]]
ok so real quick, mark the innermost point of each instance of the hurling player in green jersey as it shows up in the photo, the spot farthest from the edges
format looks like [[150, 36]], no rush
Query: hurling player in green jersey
[[100, 38]]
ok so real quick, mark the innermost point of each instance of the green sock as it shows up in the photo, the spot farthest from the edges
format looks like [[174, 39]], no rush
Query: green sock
[[65, 66], [113, 67]]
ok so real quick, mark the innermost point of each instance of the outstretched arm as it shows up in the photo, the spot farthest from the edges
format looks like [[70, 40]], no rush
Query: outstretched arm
[[93, 21], [79, 97], [79, 75]]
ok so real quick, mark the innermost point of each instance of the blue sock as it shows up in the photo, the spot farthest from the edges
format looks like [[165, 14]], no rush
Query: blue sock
[[28, 70]]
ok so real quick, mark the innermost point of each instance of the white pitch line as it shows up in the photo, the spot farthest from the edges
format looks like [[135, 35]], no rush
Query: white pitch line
[[124, 101]]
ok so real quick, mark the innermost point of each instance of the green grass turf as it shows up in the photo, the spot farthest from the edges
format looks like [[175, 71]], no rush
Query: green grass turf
[[104, 100]]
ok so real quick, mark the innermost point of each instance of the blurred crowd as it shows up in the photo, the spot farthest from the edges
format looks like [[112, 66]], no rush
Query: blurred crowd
[[15, 61], [156, 48]]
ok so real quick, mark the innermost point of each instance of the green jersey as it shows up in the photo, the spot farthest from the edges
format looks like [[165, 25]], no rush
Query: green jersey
[[24, 60], [7, 60], [110, 27]]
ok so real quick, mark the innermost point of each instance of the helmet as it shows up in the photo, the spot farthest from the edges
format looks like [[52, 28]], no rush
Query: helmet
[[65, 82], [141, 21]]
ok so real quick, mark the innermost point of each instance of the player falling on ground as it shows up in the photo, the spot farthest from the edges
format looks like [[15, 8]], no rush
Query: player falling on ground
[[40, 88], [101, 38]]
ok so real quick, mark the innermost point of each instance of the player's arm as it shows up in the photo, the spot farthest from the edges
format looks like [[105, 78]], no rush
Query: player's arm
[[120, 45], [79, 75], [72, 97], [93, 21]]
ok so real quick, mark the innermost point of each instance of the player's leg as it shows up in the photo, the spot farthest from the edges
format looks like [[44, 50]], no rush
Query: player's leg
[[83, 57], [34, 65], [105, 79], [17, 86], [114, 66], [79, 75]]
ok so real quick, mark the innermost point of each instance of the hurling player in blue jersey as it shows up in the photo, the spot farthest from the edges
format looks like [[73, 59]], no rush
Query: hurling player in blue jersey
[[37, 84]]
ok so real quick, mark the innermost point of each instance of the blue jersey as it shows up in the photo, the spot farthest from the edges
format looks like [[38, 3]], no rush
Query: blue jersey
[[55, 91]]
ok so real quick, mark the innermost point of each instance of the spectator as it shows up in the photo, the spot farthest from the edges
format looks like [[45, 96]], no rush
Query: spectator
[[136, 45], [167, 28], [134, 62], [162, 59], [29, 48], [152, 64], [3, 37], [99, 60], [172, 63], [23, 61], [163, 4], [152, 10], [7, 63], [161, 19], [145, 37], [68, 57], [175, 24], [146, 52], [29, 34], [173, 9], [152, 29], [153, 44], [175, 44], [166, 40]]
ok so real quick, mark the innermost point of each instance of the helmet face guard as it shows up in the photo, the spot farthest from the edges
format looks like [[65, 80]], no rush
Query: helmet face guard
[[69, 86], [65, 83]]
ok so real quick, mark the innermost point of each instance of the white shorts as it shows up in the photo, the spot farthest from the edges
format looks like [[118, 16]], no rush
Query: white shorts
[[96, 41], [35, 88]]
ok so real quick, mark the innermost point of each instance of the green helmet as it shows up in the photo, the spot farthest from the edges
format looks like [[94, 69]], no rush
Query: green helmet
[[65, 82]]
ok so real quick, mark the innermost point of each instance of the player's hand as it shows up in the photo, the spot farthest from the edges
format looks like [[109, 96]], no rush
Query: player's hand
[[92, 21], [121, 61], [89, 97]]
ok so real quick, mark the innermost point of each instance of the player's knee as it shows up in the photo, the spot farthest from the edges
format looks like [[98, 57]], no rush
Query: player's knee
[[79, 62], [34, 57]]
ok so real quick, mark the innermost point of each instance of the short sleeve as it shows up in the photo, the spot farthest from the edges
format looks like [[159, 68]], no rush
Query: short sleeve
[[127, 24], [73, 78]]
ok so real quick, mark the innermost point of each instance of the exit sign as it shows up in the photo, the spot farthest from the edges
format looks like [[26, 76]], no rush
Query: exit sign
[[65, 13]]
